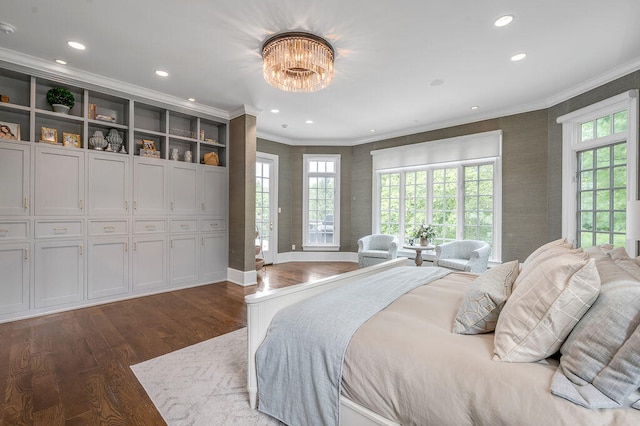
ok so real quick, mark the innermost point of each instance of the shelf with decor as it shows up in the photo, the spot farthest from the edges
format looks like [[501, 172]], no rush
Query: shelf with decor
[[80, 207]]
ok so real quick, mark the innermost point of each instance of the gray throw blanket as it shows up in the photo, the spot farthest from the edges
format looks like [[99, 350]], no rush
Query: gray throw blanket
[[300, 361]]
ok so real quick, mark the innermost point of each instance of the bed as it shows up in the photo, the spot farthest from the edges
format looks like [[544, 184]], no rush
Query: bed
[[404, 365]]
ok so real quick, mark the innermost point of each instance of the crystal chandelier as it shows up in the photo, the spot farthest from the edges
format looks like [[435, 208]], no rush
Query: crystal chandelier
[[297, 62]]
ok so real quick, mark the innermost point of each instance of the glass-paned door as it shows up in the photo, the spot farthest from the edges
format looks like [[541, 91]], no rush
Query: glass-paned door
[[265, 206], [602, 195]]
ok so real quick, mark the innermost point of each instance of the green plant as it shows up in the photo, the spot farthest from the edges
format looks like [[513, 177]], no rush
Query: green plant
[[425, 231], [60, 95]]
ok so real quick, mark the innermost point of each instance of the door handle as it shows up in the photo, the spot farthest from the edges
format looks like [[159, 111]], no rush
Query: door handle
[[26, 254], [26, 202]]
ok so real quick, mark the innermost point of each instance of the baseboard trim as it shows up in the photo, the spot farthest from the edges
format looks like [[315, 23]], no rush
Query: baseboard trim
[[316, 256], [242, 278]]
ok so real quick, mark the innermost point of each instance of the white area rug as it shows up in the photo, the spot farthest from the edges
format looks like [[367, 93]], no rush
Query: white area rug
[[203, 384]]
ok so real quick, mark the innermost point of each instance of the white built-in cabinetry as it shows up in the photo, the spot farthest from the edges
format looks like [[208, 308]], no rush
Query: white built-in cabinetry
[[80, 226]]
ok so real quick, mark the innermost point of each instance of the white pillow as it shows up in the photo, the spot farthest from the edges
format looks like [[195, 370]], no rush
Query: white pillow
[[546, 303], [484, 299]]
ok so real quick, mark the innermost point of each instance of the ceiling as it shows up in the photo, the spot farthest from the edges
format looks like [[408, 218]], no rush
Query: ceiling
[[391, 55]]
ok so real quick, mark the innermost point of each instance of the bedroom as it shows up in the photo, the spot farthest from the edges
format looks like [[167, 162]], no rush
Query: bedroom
[[532, 137]]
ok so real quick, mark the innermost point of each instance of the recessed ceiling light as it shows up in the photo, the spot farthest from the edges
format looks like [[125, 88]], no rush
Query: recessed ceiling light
[[309, 121], [372, 130], [436, 82], [284, 125], [475, 107], [503, 21], [76, 45], [275, 111], [191, 100], [518, 57], [162, 73], [61, 62]]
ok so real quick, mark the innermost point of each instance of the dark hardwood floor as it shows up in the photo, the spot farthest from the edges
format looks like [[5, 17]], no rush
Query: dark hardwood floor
[[72, 368]]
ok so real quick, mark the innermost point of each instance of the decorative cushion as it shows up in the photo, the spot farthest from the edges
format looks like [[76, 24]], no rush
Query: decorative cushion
[[622, 259], [600, 363], [543, 252], [599, 251], [545, 305], [483, 301]]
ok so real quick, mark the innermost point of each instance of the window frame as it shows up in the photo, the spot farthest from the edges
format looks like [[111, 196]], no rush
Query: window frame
[[306, 244], [571, 145], [496, 255]]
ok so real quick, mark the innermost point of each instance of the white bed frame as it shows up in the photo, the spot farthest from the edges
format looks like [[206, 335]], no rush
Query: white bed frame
[[262, 307]]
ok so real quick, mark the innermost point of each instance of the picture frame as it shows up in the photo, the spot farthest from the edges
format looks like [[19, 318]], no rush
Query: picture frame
[[71, 139], [148, 144], [9, 131], [49, 134]]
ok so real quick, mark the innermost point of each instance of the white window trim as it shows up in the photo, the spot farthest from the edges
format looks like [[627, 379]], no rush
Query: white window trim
[[306, 246], [571, 145], [480, 148]]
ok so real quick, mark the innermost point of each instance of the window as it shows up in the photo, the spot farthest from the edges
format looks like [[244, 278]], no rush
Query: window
[[445, 204], [600, 171], [390, 203], [459, 194], [478, 202], [322, 202], [409, 198]]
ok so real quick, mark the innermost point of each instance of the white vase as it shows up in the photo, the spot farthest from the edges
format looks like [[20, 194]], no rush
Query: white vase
[[97, 141], [61, 108]]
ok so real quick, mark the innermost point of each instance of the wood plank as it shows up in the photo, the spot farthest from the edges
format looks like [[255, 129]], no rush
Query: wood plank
[[73, 367]]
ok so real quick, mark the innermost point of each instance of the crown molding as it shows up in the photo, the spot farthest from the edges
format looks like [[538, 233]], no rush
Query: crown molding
[[37, 67], [244, 110], [595, 82]]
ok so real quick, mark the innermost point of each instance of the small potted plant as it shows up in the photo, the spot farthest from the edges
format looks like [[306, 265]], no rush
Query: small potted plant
[[426, 233], [60, 99]]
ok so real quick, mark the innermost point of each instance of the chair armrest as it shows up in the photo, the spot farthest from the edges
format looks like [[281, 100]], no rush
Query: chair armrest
[[393, 249], [478, 260]]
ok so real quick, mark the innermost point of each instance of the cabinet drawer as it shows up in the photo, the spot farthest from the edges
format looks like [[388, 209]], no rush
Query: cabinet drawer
[[213, 224], [108, 227], [184, 225], [150, 226], [14, 230], [58, 228]]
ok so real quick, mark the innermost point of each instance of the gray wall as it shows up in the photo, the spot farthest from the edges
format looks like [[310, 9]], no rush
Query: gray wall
[[531, 175]]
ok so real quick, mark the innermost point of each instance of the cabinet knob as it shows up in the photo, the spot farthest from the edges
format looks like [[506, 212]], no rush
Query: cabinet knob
[[135, 205], [26, 202], [126, 205], [135, 246], [81, 204], [126, 247], [60, 229], [80, 250], [26, 254]]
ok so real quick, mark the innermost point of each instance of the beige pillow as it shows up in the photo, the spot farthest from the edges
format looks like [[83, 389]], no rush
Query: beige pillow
[[484, 299], [622, 259], [547, 303], [599, 251], [550, 249]]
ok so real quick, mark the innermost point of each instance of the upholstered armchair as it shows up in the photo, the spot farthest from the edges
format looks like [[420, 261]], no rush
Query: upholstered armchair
[[464, 255], [376, 248]]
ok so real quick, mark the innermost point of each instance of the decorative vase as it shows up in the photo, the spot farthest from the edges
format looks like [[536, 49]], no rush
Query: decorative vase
[[61, 108], [97, 141], [114, 139], [424, 241]]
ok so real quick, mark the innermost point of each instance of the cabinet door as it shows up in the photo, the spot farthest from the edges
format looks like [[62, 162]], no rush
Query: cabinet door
[[108, 268], [184, 190], [59, 181], [14, 168], [149, 262], [109, 185], [14, 280], [213, 257], [184, 262], [149, 187], [214, 191], [59, 272]]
